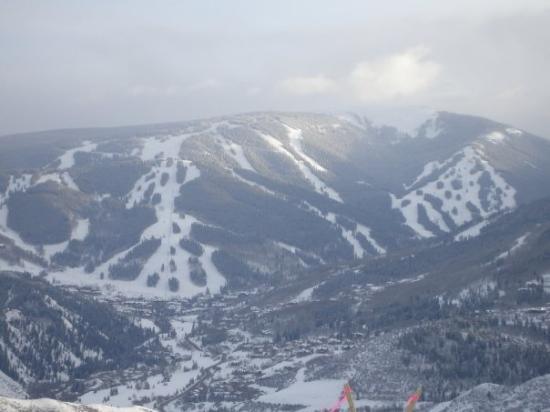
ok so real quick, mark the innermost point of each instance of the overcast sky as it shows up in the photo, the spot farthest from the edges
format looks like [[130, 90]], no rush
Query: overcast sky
[[101, 63]]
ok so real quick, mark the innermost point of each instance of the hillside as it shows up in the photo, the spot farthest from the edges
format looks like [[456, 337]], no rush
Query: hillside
[[253, 199], [49, 405], [50, 337]]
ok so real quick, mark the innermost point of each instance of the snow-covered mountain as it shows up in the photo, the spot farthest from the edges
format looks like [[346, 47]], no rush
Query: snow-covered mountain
[[49, 336], [531, 396], [241, 201], [50, 405]]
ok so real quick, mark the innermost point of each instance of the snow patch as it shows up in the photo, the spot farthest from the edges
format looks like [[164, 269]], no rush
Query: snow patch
[[319, 186], [63, 179], [472, 231], [66, 160], [513, 131], [518, 244], [80, 231], [495, 137], [235, 151], [305, 295], [295, 137], [458, 189], [10, 388], [314, 395], [350, 235], [407, 120]]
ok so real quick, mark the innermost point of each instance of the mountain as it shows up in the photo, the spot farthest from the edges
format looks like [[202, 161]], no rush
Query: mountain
[[50, 337], [530, 396], [253, 199], [11, 388], [49, 405]]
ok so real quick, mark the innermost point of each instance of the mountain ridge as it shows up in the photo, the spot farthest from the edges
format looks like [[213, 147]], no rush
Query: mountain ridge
[[313, 188]]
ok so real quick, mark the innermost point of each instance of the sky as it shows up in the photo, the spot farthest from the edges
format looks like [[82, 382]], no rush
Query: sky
[[66, 64]]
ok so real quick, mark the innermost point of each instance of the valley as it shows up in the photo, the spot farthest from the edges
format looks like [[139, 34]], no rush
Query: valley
[[261, 261]]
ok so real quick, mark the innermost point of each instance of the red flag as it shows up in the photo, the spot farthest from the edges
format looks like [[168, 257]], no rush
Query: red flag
[[411, 402]]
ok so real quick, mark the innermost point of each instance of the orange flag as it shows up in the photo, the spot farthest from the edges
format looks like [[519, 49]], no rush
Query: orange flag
[[349, 397]]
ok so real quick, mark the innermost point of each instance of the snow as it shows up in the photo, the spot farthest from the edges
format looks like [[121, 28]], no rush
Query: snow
[[305, 295], [81, 230], [469, 167], [51, 250], [513, 131], [15, 363], [358, 250], [314, 395], [349, 235], [69, 182], [411, 218], [353, 119], [495, 137], [518, 244], [319, 186], [440, 407], [161, 146], [63, 179], [147, 324], [365, 231], [12, 234], [50, 177], [479, 288], [162, 229], [253, 184], [10, 388], [235, 151], [174, 379], [432, 128], [16, 184], [295, 137], [67, 159], [285, 246], [23, 183], [405, 119], [472, 231], [429, 168], [50, 405]]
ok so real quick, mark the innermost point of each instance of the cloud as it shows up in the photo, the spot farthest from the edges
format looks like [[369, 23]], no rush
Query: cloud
[[399, 75], [140, 90], [391, 77], [302, 86]]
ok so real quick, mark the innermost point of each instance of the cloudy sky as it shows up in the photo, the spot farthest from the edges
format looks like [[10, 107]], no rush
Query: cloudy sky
[[101, 63]]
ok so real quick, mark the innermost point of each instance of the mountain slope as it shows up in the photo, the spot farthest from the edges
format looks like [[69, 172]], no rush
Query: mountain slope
[[48, 405], [182, 209], [530, 396], [49, 336]]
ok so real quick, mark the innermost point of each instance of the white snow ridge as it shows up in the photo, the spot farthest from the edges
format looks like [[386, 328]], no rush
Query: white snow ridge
[[466, 187]]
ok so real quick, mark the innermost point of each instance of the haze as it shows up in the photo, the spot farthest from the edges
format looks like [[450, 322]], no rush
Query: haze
[[78, 64]]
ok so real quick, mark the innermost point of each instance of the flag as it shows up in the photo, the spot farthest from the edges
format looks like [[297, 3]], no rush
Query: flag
[[349, 397], [343, 397], [411, 402]]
